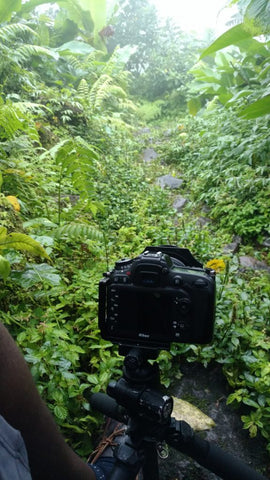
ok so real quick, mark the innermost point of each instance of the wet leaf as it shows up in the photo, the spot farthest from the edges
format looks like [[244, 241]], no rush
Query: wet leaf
[[183, 410]]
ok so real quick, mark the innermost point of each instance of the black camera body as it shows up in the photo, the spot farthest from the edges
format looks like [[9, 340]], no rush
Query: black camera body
[[164, 295]]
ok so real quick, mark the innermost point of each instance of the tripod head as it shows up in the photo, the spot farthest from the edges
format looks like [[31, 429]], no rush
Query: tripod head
[[138, 391]]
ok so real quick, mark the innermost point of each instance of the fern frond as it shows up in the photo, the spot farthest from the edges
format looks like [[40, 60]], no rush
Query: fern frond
[[118, 124], [75, 63], [109, 67], [83, 88], [24, 52], [130, 106], [78, 232], [8, 32], [78, 160], [123, 79], [31, 107], [14, 117], [9, 121], [100, 91], [117, 92]]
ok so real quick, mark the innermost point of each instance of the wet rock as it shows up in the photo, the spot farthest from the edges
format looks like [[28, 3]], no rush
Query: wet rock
[[168, 133], [143, 131], [149, 154], [169, 181], [206, 208], [234, 246], [202, 221], [250, 262], [179, 203], [266, 242]]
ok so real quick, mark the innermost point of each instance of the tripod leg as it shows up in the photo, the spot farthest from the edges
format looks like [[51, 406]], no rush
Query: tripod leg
[[129, 460], [150, 467]]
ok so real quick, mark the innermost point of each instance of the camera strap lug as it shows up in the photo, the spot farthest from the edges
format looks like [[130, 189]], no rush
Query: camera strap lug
[[162, 450]]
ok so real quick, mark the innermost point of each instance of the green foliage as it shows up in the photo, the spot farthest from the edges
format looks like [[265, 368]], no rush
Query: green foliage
[[17, 241], [4, 267], [20, 241], [6, 9], [257, 109], [136, 24], [149, 111], [77, 160], [78, 231], [256, 16], [242, 75], [15, 117], [234, 36], [162, 56], [225, 160]]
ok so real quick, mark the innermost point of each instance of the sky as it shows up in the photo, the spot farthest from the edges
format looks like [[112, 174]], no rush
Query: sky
[[196, 15]]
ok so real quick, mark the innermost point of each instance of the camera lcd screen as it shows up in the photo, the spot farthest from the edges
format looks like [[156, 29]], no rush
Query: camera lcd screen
[[144, 313]]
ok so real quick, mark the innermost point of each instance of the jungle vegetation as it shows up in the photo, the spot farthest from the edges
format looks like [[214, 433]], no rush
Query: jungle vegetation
[[83, 91]]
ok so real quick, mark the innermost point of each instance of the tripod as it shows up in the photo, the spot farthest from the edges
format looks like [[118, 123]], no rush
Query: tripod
[[136, 399]]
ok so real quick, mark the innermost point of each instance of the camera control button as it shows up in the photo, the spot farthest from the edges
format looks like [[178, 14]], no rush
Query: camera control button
[[184, 305], [177, 281], [200, 283], [120, 264]]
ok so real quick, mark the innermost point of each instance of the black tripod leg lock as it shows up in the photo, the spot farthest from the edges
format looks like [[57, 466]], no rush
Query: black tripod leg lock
[[129, 460]]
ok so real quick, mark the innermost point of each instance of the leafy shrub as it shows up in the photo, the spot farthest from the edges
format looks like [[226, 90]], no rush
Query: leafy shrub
[[150, 111], [225, 161]]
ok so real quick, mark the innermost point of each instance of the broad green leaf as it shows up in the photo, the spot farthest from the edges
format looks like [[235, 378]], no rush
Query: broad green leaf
[[4, 267], [20, 241], [257, 17], [3, 233], [7, 7], [224, 60], [36, 273], [60, 412], [224, 97], [232, 37], [39, 221], [241, 94], [79, 15], [122, 55], [98, 13], [98, 10], [75, 47], [253, 47], [194, 105], [257, 109]]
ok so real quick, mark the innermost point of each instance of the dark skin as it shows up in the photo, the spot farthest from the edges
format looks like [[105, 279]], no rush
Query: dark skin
[[50, 458]]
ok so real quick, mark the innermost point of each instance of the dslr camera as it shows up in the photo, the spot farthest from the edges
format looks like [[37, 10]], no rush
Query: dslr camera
[[164, 295]]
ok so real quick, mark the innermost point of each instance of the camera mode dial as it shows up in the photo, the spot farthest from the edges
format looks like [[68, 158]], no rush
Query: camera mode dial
[[122, 264]]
